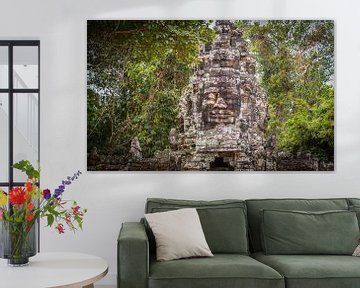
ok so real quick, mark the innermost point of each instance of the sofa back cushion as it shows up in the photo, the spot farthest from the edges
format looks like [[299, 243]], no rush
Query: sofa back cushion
[[354, 205], [298, 232], [255, 206], [223, 221], [353, 201]]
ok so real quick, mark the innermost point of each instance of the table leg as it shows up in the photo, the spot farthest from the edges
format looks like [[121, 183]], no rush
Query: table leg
[[89, 286]]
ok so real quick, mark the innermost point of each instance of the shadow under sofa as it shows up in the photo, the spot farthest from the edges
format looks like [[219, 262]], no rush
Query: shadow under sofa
[[232, 229]]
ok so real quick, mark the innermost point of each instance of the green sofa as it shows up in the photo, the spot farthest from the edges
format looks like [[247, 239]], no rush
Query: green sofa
[[234, 230]]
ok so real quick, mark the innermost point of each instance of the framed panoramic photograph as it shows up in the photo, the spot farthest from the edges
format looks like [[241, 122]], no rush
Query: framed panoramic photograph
[[210, 95]]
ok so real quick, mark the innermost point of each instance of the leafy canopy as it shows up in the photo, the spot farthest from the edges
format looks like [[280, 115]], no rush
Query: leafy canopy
[[137, 71], [296, 67]]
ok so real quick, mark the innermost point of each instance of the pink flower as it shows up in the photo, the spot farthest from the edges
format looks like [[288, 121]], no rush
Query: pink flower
[[76, 210], [1, 214], [60, 228], [68, 219]]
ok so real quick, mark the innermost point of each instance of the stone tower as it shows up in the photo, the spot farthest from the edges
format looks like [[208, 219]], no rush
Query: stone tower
[[224, 110]]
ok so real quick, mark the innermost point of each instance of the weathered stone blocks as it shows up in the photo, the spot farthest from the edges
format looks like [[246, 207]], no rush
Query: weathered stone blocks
[[229, 109]]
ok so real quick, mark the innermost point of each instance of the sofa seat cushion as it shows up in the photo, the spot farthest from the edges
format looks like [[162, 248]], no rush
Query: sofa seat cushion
[[313, 271], [222, 270]]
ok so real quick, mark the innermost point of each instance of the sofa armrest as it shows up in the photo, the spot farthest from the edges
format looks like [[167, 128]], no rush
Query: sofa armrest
[[133, 256]]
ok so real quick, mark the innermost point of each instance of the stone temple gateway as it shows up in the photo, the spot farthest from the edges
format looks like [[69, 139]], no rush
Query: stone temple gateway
[[224, 111]]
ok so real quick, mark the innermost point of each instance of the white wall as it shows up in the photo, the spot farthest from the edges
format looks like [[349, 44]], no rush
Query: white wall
[[115, 197]]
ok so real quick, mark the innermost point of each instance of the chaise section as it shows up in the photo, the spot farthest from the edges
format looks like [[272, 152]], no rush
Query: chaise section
[[133, 256], [222, 270], [313, 271]]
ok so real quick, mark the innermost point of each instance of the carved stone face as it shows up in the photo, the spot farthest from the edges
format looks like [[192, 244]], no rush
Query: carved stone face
[[219, 108]]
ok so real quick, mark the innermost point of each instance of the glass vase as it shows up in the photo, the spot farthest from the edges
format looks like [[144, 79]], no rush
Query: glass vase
[[18, 242]]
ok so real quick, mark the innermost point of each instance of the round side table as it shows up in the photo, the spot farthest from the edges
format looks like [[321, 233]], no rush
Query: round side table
[[50, 270]]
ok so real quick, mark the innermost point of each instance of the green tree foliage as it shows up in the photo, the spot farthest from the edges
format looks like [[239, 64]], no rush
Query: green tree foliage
[[137, 71], [296, 61]]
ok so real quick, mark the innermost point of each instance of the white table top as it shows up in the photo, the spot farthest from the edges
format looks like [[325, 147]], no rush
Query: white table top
[[45, 270]]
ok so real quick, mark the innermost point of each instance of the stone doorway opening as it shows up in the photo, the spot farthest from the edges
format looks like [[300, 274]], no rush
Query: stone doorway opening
[[220, 165]]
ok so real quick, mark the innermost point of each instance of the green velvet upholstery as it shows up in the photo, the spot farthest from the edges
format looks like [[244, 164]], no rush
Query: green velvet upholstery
[[356, 209], [223, 221], [315, 271], [133, 256], [294, 232], [222, 270], [354, 205], [353, 201], [254, 216]]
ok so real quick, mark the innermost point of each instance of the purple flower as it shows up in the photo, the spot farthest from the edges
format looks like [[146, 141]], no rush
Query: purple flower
[[57, 193], [46, 194], [68, 181]]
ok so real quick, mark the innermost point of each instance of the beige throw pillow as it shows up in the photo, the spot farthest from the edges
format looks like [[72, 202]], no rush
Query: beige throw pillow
[[357, 251], [178, 234]]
